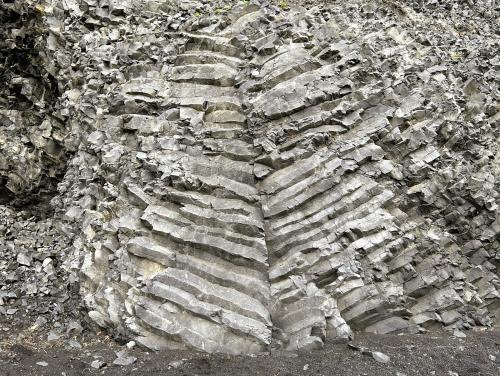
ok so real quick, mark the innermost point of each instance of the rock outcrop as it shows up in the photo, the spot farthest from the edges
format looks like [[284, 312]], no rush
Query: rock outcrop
[[32, 157], [249, 176]]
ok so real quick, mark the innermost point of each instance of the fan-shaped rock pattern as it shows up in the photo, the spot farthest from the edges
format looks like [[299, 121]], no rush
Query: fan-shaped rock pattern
[[255, 178]]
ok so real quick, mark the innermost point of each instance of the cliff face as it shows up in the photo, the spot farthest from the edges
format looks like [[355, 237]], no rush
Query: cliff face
[[246, 176], [31, 155]]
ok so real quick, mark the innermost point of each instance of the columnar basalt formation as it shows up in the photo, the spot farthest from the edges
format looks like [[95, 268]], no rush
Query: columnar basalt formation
[[249, 177]]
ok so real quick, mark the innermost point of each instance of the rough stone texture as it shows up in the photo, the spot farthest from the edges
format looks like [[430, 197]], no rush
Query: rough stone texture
[[248, 176], [38, 278], [31, 153], [38, 281]]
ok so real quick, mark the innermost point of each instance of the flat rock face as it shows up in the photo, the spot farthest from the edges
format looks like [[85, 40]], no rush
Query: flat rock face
[[249, 176]]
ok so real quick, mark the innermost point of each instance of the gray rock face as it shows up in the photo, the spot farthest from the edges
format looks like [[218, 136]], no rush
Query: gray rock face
[[248, 177], [32, 155]]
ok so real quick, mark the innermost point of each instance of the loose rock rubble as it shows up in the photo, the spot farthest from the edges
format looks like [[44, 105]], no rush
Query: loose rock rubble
[[38, 281], [249, 175]]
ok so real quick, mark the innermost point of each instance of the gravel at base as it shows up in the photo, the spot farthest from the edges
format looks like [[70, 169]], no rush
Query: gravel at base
[[410, 355]]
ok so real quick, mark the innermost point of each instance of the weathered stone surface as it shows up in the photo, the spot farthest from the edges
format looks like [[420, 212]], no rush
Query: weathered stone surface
[[248, 177]]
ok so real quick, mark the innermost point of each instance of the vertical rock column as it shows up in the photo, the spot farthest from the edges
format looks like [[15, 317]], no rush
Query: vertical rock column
[[320, 208], [182, 259], [207, 228]]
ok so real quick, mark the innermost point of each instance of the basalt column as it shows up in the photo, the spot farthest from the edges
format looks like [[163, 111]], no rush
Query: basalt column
[[248, 178]]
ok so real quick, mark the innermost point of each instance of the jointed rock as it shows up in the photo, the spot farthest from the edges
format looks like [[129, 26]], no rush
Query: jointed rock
[[248, 177]]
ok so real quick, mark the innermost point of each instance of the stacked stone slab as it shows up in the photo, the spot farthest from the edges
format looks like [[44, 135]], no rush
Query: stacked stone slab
[[249, 177]]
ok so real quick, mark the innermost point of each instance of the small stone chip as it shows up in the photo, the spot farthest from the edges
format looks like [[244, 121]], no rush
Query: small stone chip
[[380, 357], [24, 259], [131, 345], [98, 364], [176, 363], [459, 334], [123, 359]]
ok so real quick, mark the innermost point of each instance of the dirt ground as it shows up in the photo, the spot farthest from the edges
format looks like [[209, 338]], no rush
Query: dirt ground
[[411, 355]]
